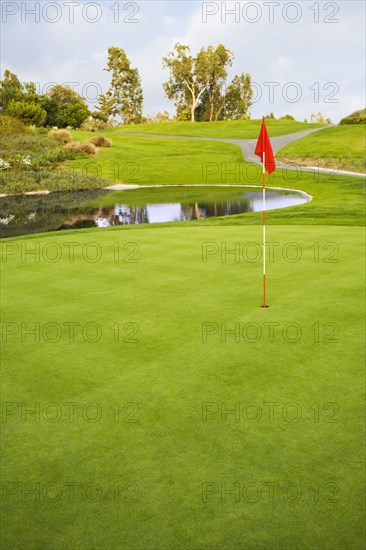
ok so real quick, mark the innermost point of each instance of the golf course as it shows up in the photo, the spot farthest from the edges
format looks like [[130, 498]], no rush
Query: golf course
[[148, 401]]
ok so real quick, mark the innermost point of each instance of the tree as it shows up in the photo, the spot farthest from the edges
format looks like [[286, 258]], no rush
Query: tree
[[63, 94], [190, 77], [105, 105], [158, 117], [124, 97], [213, 100], [10, 88], [65, 107], [28, 112], [72, 114], [238, 97], [318, 118]]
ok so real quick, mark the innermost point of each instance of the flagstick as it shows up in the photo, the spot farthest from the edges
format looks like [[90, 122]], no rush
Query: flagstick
[[264, 230]]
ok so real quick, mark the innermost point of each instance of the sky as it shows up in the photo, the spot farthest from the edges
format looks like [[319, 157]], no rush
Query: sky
[[304, 57]]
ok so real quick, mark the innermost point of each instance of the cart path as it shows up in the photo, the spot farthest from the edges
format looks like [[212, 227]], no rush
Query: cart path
[[247, 147]]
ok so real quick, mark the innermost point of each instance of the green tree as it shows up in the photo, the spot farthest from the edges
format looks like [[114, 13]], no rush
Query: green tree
[[192, 77], [219, 59], [71, 114], [124, 97], [105, 106], [238, 97], [63, 94], [65, 107], [10, 88], [28, 112]]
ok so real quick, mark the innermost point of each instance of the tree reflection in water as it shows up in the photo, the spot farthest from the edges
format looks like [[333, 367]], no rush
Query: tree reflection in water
[[197, 211], [21, 215]]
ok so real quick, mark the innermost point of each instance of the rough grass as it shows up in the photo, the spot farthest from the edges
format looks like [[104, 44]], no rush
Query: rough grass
[[46, 172], [84, 147], [62, 135], [101, 141]]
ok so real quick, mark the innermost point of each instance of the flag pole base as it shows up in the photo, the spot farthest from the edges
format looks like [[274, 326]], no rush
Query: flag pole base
[[265, 306]]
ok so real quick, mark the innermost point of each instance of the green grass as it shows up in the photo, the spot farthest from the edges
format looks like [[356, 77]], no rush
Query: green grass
[[235, 129], [159, 287], [170, 453], [146, 160], [341, 147]]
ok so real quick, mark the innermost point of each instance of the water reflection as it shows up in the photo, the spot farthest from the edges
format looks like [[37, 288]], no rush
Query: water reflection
[[29, 214]]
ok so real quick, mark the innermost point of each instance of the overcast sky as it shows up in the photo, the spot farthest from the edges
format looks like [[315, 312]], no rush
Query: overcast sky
[[303, 56]]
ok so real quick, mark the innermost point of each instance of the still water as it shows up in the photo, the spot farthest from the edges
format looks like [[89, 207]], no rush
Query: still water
[[21, 215]]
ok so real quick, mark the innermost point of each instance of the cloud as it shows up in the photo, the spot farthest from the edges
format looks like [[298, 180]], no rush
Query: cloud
[[314, 55]]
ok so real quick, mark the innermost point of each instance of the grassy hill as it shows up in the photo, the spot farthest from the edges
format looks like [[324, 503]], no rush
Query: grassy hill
[[235, 129], [341, 147]]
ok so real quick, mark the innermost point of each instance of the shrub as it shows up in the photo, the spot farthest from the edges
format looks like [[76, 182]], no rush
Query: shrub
[[81, 147], [286, 117], [100, 141], [358, 117], [62, 135], [11, 126], [28, 112], [72, 114]]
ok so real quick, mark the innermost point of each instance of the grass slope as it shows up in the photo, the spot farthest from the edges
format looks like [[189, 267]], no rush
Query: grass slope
[[233, 129], [146, 160], [172, 467], [340, 147]]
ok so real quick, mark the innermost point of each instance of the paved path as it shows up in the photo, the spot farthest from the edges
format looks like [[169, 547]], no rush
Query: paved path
[[248, 146]]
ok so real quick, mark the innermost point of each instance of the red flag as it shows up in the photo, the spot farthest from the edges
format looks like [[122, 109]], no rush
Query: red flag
[[264, 146]]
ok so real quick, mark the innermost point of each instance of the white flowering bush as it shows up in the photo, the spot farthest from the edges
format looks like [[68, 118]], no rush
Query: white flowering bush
[[4, 165], [15, 162]]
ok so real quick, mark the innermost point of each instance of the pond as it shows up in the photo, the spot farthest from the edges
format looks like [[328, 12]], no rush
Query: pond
[[21, 215]]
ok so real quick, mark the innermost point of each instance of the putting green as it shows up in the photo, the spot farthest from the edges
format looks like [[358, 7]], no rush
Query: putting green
[[142, 319]]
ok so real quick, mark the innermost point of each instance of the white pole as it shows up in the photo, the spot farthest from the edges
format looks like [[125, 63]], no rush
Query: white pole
[[264, 217], [264, 230]]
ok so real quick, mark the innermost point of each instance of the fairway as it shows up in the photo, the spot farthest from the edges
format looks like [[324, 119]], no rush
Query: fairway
[[164, 397]]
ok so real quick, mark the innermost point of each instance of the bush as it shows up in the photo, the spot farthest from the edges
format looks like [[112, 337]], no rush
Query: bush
[[84, 147], [100, 141], [62, 135], [11, 126], [28, 112], [72, 114], [358, 117]]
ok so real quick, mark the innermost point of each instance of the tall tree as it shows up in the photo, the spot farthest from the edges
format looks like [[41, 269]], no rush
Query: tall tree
[[219, 58], [124, 97], [238, 97], [190, 77]]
